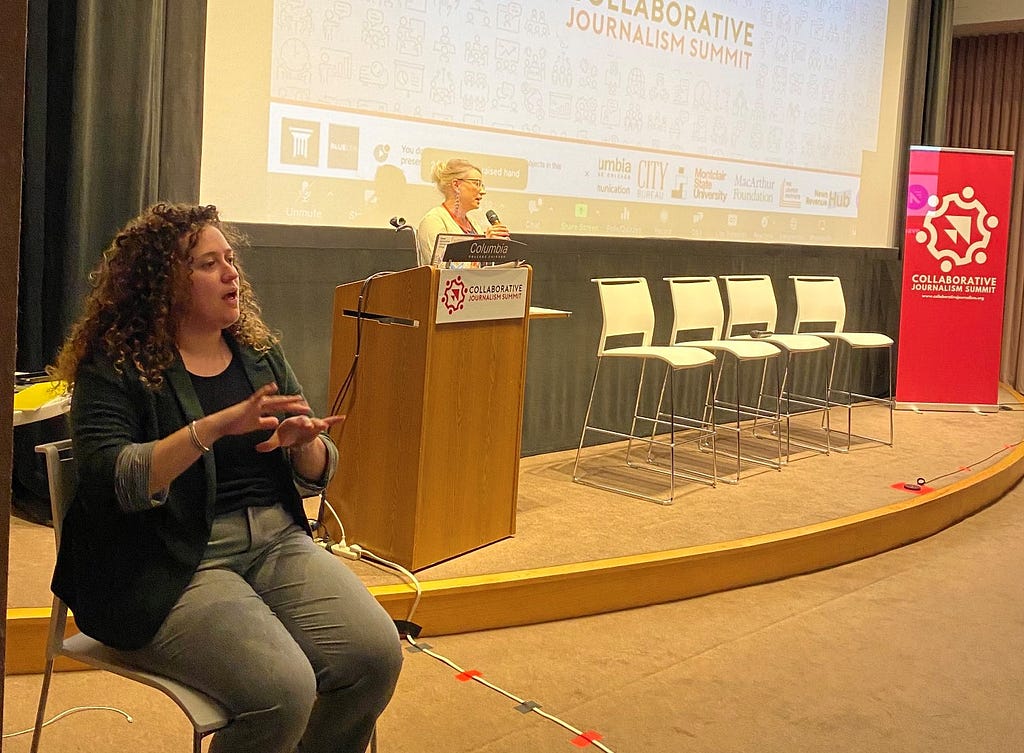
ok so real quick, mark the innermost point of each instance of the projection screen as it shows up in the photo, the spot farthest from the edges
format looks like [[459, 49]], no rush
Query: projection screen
[[772, 121]]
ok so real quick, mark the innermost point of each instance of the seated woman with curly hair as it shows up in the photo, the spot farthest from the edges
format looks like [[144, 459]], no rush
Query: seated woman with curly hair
[[187, 544]]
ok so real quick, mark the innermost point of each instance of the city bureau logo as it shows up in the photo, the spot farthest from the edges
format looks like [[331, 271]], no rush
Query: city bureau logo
[[454, 296], [957, 228]]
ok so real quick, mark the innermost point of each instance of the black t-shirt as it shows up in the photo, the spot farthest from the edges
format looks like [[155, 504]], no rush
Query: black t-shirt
[[245, 477]]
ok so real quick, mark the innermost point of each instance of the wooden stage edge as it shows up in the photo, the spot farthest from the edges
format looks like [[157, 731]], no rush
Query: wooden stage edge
[[524, 597]]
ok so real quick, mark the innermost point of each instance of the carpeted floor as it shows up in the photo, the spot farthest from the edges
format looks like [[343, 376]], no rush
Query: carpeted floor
[[919, 649]]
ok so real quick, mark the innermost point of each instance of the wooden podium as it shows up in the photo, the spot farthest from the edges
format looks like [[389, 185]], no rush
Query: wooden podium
[[429, 451]]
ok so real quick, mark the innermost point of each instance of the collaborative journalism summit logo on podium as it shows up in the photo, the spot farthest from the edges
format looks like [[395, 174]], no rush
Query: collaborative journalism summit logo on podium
[[454, 296]]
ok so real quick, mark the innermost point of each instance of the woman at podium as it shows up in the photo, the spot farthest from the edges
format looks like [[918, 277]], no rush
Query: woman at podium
[[187, 544], [462, 185]]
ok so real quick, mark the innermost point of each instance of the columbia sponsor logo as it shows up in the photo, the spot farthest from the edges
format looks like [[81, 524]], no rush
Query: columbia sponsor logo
[[615, 167]]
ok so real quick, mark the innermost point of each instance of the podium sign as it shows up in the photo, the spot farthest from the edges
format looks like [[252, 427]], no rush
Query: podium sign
[[954, 279], [475, 295], [482, 250]]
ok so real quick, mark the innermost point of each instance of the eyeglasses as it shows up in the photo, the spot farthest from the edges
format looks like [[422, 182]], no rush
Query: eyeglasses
[[475, 181]]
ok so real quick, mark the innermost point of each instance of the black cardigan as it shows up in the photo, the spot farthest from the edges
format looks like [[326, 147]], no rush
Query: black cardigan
[[120, 573]]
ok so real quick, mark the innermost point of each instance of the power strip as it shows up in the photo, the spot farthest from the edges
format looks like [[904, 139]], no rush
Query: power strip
[[348, 551]]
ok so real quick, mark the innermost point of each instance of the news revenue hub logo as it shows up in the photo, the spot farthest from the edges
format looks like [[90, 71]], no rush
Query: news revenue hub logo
[[957, 229], [454, 296]]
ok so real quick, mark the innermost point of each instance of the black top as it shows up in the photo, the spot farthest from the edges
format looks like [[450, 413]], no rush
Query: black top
[[121, 572], [245, 477]]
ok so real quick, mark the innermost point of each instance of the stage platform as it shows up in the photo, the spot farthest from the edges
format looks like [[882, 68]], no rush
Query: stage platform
[[579, 550]]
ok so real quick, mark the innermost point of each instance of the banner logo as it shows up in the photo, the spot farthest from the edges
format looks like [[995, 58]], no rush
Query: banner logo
[[957, 229], [454, 296]]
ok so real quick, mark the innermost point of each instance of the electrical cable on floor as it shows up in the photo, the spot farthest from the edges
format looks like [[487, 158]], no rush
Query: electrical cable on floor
[[68, 712], [582, 739], [1004, 448], [410, 630]]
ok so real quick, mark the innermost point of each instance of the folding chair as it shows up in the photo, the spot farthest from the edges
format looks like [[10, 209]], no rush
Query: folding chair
[[697, 307], [753, 308], [205, 714], [627, 310], [821, 306]]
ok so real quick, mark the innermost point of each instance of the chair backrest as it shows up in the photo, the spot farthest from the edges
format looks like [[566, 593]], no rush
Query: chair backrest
[[820, 300], [62, 478], [696, 305], [751, 301], [626, 309]]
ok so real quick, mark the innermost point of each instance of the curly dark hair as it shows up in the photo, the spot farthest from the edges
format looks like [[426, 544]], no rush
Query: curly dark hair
[[139, 289]]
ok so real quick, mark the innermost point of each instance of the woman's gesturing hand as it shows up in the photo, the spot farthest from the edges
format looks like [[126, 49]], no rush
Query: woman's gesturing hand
[[259, 411], [298, 431]]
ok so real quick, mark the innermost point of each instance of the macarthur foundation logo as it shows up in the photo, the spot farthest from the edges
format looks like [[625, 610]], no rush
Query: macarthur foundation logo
[[454, 296], [956, 229]]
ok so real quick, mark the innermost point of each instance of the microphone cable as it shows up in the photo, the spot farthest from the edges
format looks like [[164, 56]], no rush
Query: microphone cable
[[346, 383], [921, 481]]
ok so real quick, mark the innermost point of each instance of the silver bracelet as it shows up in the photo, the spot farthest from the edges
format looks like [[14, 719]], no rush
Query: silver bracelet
[[195, 439]]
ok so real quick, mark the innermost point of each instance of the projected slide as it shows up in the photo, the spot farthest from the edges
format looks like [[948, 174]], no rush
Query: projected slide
[[724, 119]]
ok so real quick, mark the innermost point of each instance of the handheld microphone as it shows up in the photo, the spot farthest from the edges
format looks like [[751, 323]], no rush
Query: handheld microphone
[[398, 223], [492, 217]]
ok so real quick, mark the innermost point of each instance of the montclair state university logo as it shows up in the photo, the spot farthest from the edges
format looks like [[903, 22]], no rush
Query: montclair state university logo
[[957, 228], [454, 295]]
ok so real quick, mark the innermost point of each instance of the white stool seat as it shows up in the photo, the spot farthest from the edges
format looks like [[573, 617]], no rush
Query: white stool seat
[[744, 349], [858, 339], [806, 343], [677, 358]]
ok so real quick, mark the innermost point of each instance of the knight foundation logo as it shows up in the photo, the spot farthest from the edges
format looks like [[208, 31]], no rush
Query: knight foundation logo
[[956, 231], [454, 295]]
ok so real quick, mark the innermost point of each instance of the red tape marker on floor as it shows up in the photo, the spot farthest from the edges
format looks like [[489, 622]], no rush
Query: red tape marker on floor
[[911, 487], [468, 675], [586, 738]]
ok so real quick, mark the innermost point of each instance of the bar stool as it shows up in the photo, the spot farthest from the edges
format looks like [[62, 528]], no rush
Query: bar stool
[[820, 303], [627, 310], [753, 308], [697, 307]]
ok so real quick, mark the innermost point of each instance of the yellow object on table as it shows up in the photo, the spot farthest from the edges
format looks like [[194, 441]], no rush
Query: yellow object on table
[[35, 396]]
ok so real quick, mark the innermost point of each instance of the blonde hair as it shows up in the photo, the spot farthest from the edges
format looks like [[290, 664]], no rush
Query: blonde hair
[[446, 172]]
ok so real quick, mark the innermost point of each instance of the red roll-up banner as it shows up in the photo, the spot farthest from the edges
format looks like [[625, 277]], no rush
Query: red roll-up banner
[[954, 275]]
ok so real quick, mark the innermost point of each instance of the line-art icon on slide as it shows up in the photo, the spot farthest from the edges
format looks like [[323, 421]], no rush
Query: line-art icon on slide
[[957, 229]]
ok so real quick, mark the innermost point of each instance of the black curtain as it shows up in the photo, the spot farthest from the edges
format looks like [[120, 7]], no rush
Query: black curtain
[[48, 84], [113, 123]]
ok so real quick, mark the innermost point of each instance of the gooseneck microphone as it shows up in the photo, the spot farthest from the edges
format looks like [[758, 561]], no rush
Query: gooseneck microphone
[[398, 223]]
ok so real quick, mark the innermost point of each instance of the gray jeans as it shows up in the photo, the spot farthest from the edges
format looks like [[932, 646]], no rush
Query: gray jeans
[[287, 638]]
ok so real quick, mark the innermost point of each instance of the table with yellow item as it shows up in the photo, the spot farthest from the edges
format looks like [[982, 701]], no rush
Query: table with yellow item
[[40, 401]]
